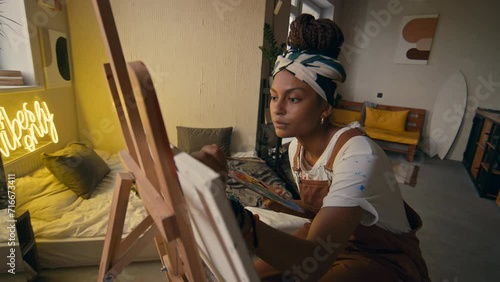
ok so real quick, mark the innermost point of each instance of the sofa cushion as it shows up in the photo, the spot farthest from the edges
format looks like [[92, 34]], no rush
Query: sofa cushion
[[387, 120], [341, 117], [190, 139], [405, 137]]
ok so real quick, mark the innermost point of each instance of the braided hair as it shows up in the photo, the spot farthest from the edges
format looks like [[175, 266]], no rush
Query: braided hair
[[322, 35]]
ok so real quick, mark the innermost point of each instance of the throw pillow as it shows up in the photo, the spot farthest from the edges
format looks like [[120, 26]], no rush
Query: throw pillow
[[387, 120], [342, 117], [191, 139], [78, 167]]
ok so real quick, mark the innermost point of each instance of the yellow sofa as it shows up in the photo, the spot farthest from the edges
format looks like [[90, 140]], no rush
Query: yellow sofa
[[391, 124]]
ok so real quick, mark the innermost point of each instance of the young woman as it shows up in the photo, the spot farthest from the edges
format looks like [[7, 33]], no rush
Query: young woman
[[361, 229]]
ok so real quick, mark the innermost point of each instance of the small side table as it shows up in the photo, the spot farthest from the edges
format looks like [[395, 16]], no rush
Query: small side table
[[27, 244]]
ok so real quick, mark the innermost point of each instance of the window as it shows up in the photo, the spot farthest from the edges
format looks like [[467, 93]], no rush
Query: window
[[295, 9], [317, 8], [310, 8], [16, 60]]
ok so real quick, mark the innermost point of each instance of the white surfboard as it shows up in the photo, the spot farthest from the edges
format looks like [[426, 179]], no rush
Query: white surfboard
[[447, 114]]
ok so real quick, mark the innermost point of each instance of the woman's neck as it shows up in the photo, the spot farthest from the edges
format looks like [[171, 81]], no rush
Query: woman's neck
[[315, 144]]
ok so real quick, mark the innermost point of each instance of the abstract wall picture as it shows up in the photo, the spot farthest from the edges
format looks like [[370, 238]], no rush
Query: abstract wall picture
[[55, 58], [415, 39]]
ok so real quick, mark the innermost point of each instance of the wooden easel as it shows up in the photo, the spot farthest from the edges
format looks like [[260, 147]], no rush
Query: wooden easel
[[151, 166]]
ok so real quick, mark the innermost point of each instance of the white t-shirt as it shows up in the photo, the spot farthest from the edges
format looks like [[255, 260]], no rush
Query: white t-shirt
[[362, 176]]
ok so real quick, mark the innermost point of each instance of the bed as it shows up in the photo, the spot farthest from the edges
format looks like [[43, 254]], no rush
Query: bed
[[70, 230]]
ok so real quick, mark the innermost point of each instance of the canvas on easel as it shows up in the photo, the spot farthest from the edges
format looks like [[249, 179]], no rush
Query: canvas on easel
[[189, 218]]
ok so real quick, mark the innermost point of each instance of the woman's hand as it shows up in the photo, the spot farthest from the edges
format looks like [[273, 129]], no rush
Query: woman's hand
[[278, 190], [282, 192], [213, 157]]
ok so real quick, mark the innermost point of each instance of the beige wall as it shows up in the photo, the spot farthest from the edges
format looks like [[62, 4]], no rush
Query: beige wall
[[98, 123], [60, 101], [466, 39], [203, 57]]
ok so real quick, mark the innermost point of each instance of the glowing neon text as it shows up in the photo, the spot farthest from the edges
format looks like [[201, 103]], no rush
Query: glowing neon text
[[26, 128]]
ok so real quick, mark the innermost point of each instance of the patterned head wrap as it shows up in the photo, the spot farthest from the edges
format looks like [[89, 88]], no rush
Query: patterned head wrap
[[318, 71]]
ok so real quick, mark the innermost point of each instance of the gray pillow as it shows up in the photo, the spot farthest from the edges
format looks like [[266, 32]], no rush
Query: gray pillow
[[78, 167], [191, 139]]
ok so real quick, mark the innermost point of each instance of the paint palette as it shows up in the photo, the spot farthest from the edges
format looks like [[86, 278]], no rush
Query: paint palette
[[262, 189]]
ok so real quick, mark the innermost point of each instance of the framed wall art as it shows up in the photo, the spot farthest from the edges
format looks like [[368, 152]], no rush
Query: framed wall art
[[415, 38]]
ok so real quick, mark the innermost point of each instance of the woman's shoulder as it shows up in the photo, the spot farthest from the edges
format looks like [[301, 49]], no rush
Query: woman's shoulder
[[354, 140], [360, 145]]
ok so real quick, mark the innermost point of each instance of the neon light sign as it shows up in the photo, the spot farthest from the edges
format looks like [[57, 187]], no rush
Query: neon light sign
[[24, 130]]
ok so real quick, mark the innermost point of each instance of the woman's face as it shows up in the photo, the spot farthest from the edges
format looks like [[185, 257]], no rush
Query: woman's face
[[295, 107]]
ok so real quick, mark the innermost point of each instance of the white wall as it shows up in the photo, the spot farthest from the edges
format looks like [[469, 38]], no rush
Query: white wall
[[203, 57], [466, 39], [338, 7]]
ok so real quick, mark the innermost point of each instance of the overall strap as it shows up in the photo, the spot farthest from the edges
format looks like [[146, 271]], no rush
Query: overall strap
[[296, 166], [343, 138]]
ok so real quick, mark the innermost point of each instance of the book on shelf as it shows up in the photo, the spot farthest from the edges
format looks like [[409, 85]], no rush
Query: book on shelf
[[11, 78]]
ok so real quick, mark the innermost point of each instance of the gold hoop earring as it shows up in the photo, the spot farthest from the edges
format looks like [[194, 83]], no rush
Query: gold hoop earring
[[322, 120]]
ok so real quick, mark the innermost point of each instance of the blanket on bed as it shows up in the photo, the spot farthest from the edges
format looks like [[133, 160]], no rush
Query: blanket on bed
[[57, 212]]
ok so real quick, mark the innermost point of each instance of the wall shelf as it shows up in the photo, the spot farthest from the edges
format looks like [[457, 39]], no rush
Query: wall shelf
[[482, 154], [491, 145], [487, 168]]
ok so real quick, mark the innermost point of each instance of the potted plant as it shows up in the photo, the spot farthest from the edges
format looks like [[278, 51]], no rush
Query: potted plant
[[272, 50], [4, 22], [7, 77]]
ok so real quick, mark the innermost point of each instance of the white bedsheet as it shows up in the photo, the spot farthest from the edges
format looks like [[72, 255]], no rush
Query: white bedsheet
[[56, 212], [281, 221]]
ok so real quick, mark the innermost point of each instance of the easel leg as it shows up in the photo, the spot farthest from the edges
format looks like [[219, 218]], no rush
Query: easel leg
[[169, 259], [123, 183], [119, 263]]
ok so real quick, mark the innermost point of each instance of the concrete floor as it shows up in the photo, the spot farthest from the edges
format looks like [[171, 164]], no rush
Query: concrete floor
[[459, 238]]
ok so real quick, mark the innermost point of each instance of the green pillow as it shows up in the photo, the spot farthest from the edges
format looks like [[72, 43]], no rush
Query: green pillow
[[191, 139], [78, 167]]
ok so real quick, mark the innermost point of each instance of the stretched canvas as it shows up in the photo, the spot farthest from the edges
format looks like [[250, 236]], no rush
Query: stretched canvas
[[415, 38], [219, 239]]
